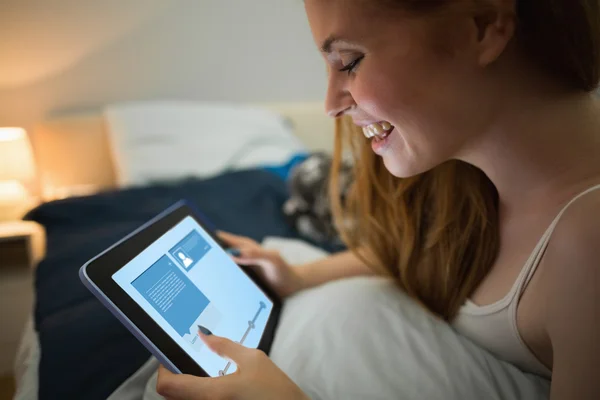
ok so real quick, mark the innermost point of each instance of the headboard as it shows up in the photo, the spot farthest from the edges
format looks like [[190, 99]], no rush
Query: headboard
[[73, 151]]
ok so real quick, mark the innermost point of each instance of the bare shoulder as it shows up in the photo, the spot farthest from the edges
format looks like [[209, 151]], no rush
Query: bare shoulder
[[577, 234], [572, 260], [572, 282]]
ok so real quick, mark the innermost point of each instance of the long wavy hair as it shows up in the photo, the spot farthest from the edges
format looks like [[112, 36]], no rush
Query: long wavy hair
[[437, 233]]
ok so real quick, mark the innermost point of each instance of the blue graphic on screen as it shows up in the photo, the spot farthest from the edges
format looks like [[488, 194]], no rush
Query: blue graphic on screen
[[172, 294], [215, 295], [190, 250]]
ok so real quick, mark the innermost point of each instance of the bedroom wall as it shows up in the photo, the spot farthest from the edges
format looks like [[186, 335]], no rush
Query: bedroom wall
[[67, 55]]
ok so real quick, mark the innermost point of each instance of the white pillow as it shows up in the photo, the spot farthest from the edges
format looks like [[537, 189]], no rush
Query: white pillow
[[166, 140], [362, 338]]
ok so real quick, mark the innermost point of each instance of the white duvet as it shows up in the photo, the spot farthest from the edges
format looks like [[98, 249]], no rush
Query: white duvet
[[362, 338]]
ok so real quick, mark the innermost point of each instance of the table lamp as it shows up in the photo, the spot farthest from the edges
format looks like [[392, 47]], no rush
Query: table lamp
[[17, 172]]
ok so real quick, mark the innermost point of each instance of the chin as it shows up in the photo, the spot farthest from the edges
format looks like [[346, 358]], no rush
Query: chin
[[402, 169]]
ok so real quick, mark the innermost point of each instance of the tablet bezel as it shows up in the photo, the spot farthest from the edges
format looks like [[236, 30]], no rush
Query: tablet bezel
[[100, 271]]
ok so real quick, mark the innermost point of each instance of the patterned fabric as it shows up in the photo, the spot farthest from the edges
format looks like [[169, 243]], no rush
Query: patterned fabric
[[308, 207]]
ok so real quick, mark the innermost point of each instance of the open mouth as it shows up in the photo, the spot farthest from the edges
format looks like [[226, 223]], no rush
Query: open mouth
[[378, 130]]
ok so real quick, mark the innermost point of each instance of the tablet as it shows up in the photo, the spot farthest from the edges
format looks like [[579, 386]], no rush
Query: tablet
[[171, 278]]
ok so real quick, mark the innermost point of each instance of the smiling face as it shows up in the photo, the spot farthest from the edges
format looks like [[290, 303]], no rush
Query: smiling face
[[420, 74]]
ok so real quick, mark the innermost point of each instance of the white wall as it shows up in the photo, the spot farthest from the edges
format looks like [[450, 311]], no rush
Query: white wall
[[64, 55]]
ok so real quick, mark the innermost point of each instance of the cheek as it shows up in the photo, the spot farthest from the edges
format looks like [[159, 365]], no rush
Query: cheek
[[390, 90], [420, 94], [398, 102], [418, 102]]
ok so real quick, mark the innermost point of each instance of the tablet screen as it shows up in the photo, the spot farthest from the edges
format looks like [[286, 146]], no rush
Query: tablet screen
[[186, 282]]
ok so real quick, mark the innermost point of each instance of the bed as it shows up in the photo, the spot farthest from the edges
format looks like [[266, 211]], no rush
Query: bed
[[99, 171], [91, 203]]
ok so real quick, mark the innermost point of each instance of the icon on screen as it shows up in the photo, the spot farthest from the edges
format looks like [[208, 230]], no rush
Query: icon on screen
[[189, 250], [183, 258]]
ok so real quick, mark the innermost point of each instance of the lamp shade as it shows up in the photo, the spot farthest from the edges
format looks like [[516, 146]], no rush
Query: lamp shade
[[16, 157]]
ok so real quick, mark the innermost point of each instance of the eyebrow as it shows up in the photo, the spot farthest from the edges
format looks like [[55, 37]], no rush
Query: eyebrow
[[328, 43]]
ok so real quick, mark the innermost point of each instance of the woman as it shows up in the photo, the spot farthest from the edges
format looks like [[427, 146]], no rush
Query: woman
[[447, 96]]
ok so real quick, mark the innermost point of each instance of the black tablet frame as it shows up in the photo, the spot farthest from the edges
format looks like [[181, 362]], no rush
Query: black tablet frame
[[99, 272]]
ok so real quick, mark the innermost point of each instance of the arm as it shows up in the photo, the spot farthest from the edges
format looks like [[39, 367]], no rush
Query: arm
[[573, 307], [285, 279], [334, 267]]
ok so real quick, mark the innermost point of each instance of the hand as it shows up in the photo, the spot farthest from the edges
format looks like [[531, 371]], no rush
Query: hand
[[257, 377], [268, 264]]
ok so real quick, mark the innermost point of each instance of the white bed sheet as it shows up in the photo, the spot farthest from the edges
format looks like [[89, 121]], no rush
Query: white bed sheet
[[26, 364]]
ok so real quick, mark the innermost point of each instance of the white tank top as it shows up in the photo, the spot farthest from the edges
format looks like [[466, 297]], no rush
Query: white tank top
[[494, 326]]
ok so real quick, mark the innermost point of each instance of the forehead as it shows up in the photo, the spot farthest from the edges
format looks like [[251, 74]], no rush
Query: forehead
[[342, 11], [346, 19], [362, 22]]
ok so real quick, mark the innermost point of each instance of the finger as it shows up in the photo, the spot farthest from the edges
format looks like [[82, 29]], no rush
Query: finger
[[233, 240], [246, 262], [233, 252], [188, 387], [256, 266], [252, 251], [225, 348], [256, 251]]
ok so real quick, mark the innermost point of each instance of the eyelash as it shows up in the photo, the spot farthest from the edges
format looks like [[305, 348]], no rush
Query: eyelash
[[350, 68]]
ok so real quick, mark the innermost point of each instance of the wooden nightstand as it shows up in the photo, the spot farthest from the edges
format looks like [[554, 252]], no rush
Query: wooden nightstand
[[22, 243]]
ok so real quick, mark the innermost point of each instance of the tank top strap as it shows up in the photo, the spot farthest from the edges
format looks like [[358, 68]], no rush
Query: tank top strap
[[540, 249]]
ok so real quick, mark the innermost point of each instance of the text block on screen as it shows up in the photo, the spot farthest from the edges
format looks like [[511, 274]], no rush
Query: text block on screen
[[172, 294]]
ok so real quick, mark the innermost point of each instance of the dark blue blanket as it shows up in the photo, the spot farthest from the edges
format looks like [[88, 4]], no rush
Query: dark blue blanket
[[85, 352]]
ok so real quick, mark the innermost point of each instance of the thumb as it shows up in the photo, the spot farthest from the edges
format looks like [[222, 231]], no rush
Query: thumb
[[186, 387], [225, 348]]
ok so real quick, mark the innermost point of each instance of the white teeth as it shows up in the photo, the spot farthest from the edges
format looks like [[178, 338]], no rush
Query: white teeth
[[372, 130], [376, 130]]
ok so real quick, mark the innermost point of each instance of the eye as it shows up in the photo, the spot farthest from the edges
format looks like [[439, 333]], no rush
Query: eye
[[351, 67]]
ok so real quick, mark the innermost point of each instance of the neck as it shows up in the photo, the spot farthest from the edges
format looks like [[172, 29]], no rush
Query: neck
[[540, 151]]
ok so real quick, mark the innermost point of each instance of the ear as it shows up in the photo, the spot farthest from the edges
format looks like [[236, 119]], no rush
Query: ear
[[496, 26]]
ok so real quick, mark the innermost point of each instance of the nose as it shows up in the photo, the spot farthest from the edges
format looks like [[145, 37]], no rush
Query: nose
[[338, 100]]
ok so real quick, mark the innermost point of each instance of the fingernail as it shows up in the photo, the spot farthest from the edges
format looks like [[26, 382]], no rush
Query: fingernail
[[204, 331], [233, 252]]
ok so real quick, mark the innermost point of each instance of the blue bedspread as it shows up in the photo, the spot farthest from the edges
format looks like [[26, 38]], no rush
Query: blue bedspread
[[85, 351]]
